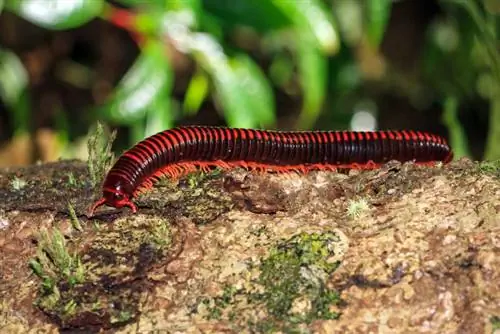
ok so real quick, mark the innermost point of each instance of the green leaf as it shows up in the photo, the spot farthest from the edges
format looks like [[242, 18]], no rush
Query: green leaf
[[1, 5], [56, 14], [350, 18], [457, 134], [254, 85], [160, 116], [233, 101], [153, 3], [281, 70], [243, 93], [137, 132], [312, 73], [13, 90], [150, 77], [312, 16], [13, 77], [210, 55], [241, 89], [261, 15], [192, 5], [196, 93], [378, 13]]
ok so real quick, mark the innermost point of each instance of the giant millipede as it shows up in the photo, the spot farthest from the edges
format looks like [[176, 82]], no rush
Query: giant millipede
[[178, 151]]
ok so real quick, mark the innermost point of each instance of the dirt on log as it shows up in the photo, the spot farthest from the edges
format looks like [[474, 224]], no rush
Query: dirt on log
[[401, 249]]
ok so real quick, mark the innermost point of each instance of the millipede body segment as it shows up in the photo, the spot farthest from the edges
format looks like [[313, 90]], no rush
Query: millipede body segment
[[178, 151]]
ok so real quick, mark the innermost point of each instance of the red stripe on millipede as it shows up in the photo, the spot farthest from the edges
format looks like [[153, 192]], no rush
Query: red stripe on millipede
[[295, 150]]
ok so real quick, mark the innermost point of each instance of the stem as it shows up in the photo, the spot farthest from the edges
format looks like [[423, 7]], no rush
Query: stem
[[458, 137], [492, 151]]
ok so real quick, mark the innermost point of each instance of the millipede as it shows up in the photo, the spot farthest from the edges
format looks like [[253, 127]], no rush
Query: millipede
[[178, 151]]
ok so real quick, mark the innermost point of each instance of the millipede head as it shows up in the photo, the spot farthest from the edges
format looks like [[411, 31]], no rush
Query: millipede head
[[115, 198]]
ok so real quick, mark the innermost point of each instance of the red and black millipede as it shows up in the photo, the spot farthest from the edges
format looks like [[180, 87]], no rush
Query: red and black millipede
[[178, 151]]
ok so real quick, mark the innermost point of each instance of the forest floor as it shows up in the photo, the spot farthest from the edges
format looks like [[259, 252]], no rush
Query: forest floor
[[401, 249]]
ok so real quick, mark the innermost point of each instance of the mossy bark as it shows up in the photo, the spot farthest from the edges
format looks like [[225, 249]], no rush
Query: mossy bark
[[242, 252]]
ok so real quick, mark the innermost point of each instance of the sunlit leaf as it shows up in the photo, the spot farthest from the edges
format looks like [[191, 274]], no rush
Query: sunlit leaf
[[227, 92], [193, 5], [242, 92], [196, 93], [256, 88], [160, 116], [312, 72], [240, 88], [350, 20], [13, 77], [312, 15], [210, 56], [150, 76], [13, 90], [377, 16], [1, 5], [57, 14]]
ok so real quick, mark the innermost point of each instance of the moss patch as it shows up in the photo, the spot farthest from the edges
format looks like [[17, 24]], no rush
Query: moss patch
[[297, 269], [290, 290], [198, 196], [490, 167], [495, 323], [100, 155], [101, 286]]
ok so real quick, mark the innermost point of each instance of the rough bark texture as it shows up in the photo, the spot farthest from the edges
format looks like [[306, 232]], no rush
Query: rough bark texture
[[402, 249]]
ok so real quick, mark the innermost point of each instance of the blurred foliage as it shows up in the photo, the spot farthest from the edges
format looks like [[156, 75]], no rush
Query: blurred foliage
[[244, 54]]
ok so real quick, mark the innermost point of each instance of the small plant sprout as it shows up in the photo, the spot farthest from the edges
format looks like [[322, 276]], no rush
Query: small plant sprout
[[54, 263], [70, 307], [18, 183], [356, 207], [75, 222], [100, 155], [72, 182]]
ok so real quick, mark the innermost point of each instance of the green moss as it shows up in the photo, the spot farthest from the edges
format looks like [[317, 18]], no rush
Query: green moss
[[132, 234], [18, 183], [291, 288], [70, 308], [298, 268], [194, 180], [73, 182], [100, 154], [215, 306], [495, 323], [103, 285], [57, 268], [75, 222], [71, 179], [203, 200], [198, 196], [54, 263], [356, 208], [160, 235], [122, 317], [490, 167]]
